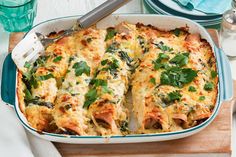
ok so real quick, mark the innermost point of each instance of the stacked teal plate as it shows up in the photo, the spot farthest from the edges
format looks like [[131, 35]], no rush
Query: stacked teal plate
[[169, 7]]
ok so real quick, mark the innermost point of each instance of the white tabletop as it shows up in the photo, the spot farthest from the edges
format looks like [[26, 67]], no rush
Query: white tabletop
[[58, 8]]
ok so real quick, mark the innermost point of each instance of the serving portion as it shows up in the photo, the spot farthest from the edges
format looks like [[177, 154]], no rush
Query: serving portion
[[81, 85]]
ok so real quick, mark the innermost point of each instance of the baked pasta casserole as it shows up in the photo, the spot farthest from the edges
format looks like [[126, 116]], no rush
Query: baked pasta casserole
[[127, 79]]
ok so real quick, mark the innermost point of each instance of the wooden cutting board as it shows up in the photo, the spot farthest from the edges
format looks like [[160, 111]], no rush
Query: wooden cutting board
[[215, 140]]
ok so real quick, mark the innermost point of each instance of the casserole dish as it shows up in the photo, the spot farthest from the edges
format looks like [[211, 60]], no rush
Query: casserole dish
[[224, 87]]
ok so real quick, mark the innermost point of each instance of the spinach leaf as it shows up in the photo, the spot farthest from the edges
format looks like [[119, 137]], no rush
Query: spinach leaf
[[102, 83], [41, 61], [47, 104], [112, 66], [163, 47], [111, 32], [35, 100], [124, 126], [28, 95], [80, 68], [141, 41], [33, 81], [30, 80], [45, 77], [112, 48], [124, 56]]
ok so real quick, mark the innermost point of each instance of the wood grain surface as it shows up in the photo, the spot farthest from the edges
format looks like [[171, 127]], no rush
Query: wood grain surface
[[215, 139]]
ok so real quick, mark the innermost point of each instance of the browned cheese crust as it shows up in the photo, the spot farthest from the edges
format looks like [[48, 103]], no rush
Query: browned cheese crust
[[80, 85]]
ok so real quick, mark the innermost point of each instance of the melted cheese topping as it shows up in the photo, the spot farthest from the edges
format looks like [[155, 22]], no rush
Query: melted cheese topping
[[81, 84], [154, 113]]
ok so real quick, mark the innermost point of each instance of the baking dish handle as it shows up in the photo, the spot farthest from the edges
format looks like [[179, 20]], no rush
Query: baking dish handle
[[8, 88], [225, 76]]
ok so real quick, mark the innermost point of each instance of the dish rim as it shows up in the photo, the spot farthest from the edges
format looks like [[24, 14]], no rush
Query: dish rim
[[21, 116]]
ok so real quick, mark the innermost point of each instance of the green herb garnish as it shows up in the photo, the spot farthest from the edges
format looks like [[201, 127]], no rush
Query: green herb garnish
[[180, 59], [157, 63], [105, 89], [112, 66], [172, 97], [201, 98], [153, 81], [161, 56], [177, 77], [213, 74], [90, 97], [161, 65], [209, 86], [57, 59], [192, 89], [92, 94], [104, 62], [80, 68], [98, 82]]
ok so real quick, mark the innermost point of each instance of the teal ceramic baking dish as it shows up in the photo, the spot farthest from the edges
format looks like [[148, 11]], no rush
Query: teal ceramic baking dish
[[225, 86]]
